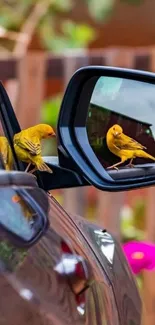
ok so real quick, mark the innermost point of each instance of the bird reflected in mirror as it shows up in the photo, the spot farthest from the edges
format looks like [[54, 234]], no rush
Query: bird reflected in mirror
[[124, 147], [27, 212], [27, 145], [6, 153]]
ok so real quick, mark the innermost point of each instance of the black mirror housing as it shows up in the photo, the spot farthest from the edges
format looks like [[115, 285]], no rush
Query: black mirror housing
[[74, 148]]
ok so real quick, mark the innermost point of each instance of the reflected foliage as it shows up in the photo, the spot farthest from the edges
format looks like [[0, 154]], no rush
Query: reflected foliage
[[11, 257]]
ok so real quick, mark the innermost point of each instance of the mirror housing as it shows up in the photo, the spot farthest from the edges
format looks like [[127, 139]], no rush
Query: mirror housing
[[74, 150]]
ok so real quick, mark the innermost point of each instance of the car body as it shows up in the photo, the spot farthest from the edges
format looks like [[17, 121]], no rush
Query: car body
[[57, 268], [75, 273]]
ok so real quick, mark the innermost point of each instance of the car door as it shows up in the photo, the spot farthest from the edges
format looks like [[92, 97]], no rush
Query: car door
[[57, 281], [107, 259]]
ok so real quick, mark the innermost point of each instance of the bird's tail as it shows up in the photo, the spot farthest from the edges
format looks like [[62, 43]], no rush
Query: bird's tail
[[143, 154], [44, 168]]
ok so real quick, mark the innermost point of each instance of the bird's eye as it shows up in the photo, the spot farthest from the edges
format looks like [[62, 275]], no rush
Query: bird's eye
[[114, 129]]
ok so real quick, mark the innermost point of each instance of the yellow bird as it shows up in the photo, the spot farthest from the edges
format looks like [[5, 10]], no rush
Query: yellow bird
[[27, 145], [6, 153], [124, 147]]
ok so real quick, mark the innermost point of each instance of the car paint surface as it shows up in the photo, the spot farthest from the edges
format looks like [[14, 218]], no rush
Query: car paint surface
[[75, 274]]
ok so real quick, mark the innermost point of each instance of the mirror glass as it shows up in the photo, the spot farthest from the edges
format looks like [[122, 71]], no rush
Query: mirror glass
[[121, 122], [17, 215]]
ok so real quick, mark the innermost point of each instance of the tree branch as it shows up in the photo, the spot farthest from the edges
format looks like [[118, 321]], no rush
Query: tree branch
[[30, 25]]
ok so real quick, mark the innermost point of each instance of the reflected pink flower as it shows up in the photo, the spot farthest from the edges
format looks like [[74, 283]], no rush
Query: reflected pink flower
[[140, 255]]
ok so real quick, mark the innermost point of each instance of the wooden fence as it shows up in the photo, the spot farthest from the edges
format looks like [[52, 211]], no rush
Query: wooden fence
[[26, 78]]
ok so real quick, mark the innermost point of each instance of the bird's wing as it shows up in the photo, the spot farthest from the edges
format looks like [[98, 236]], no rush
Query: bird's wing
[[32, 146], [4, 153], [127, 143], [4, 149]]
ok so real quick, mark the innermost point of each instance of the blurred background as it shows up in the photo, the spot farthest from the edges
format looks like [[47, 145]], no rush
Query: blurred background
[[42, 43]]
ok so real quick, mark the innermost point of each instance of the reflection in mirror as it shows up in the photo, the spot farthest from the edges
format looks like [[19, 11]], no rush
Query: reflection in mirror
[[16, 215], [21, 224], [121, 122]]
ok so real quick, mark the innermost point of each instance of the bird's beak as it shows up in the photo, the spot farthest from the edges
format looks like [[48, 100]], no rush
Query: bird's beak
[[52, 134], [117, 133]]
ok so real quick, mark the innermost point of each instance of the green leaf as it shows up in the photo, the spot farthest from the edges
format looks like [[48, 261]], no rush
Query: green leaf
[[81, 34], [74, 36], [100, 10], [63, 6]]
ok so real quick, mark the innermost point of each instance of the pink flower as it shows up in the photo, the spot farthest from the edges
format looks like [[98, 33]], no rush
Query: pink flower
[[140, 255]]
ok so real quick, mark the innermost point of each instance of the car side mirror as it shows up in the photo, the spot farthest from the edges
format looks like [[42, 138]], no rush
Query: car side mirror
[[106, 127], [105, 131], [23, 209]]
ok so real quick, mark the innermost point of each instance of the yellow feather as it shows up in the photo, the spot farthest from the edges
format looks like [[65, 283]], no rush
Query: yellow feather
[[27, 144], [6, 153]]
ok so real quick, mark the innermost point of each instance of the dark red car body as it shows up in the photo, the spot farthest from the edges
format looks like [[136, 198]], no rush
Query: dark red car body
[[75, 274]]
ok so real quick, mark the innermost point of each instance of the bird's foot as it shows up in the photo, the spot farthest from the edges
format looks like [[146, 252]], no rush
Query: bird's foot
[[112, 167], [26, 170], [32, 171], [130, 166]]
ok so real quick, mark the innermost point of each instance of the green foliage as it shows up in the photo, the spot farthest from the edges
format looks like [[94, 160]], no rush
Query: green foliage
[[14, 12], [132, 223], [5, 250], [62, 6], [69, 35], [100, 10], [10, 255], [72, 36], [50, 110], [139, 214], [78, 34], [49, 114]]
